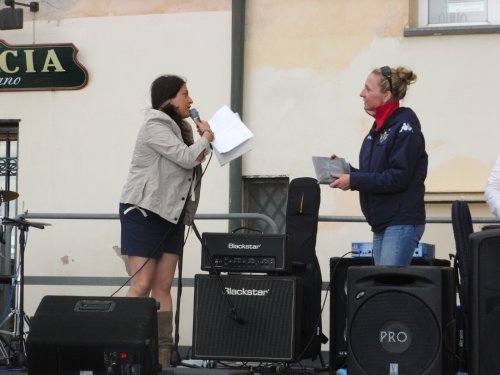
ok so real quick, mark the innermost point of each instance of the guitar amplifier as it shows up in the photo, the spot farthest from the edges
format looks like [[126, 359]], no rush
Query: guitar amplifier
[[236, 252], [269, 309]]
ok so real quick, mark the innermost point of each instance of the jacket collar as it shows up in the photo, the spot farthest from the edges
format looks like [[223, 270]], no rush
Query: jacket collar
[[383, 112]]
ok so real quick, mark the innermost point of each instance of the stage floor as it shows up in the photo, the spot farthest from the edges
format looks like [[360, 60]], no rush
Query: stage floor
[[222, 368], [181, 371]]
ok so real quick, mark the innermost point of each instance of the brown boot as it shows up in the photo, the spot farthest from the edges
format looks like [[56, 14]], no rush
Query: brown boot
[[165, 339]]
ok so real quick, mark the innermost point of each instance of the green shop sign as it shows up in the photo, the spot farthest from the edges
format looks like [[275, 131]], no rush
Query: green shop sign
[[40, 67]]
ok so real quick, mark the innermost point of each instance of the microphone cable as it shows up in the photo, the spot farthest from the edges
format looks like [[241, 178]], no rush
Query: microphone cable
[[144, 264], [233, 311], [334, 270]]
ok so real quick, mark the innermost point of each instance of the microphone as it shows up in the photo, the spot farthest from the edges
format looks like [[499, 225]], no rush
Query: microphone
[[193, 113]]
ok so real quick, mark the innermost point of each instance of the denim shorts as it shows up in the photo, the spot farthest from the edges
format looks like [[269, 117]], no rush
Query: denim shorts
[[148, 235]]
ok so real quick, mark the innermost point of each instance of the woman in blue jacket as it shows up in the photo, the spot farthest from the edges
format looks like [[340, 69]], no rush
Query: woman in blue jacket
[[392, 168]]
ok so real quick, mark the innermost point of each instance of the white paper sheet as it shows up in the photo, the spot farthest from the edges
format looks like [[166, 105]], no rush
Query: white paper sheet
[[234, 153], [228, 129]]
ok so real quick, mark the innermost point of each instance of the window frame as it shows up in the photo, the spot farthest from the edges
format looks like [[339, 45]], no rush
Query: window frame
[[260, 186], [419, 21]]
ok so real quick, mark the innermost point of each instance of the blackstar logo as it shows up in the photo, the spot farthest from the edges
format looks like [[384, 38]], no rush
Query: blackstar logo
[[243, 246], [247, 292]]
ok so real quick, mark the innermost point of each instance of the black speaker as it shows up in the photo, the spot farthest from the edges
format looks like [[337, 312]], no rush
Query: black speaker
[[338, 306], [70, 335], [484, 308], [401, 320], [265, 322], [11, 18], [338, 302]]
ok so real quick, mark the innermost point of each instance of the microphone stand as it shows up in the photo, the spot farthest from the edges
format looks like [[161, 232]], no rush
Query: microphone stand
[[23, 226]]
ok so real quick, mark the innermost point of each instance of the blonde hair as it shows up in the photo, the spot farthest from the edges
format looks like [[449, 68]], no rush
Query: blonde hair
[[401, 78]]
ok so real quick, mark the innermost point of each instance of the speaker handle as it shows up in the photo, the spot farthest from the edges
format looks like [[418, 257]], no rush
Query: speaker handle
[[234, 313], [247, 228]]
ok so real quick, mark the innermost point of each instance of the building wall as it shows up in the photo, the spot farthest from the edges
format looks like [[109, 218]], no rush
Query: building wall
[[75, 146], [305, 64]]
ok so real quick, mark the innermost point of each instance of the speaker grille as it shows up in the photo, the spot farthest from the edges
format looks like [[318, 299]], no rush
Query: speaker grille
[[401, 320], [268, 306], [485, 302], [490, 331], [489, 305], [397, 328]]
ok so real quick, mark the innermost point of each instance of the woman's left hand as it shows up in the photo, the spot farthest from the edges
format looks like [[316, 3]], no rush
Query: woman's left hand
[[343, 181]]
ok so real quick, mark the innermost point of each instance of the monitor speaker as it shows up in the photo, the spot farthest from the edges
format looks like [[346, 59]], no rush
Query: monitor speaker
[[74, 335], [263, 326], [484, 309], [401, 320]]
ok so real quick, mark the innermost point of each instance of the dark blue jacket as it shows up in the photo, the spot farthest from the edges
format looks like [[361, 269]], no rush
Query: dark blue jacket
[[392, 171]]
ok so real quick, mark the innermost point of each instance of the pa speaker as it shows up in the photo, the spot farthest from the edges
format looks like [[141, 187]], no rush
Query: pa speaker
[[11, 18], [401, 320], [338, 302], [338, 306], [484, 309], [246, 317], [75, 335]]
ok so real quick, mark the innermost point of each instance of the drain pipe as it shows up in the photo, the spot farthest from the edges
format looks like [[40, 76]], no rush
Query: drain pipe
[[237, 65]]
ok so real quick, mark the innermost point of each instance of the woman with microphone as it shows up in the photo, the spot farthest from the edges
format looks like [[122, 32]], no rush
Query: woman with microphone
[[161, 196]]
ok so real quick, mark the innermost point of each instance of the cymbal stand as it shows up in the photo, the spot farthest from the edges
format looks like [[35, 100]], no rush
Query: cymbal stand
[[20, 318]]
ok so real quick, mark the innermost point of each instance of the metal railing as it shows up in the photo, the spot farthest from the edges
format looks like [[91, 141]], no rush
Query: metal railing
[[117, 281], [228, 216], [93, 280], [429, 220]]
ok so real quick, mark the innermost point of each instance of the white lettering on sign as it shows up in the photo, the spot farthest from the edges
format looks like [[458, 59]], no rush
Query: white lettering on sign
[[10, 81]]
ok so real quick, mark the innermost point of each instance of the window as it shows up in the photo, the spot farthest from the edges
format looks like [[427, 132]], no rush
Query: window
[[432, 17], [8, 163], [8, 181], [268, 196], [457, 12]]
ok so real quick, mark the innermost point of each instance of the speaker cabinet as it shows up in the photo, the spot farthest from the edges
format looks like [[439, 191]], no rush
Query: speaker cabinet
[[265, 322], [338, 306], [401, 320], [72, 335], [338, 302], [484, 309]]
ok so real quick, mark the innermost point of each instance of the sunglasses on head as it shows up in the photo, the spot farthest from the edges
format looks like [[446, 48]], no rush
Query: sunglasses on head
[[387, 74]]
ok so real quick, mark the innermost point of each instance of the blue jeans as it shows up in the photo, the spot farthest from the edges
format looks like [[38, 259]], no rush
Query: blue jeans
[[396, 244]]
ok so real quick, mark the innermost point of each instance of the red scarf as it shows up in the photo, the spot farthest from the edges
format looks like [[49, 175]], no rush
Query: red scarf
[[383, 111]]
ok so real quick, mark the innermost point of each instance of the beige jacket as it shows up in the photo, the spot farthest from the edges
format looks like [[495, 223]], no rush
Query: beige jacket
[[161, 173]]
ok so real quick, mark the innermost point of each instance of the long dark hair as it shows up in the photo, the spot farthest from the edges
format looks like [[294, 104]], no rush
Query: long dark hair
[[166, 87]]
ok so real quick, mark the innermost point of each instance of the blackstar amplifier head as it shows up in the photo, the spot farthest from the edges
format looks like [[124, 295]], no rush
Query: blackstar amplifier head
[[235, 252]]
